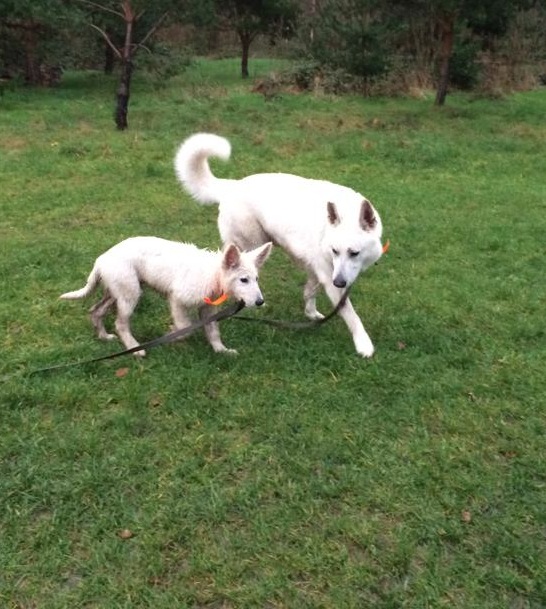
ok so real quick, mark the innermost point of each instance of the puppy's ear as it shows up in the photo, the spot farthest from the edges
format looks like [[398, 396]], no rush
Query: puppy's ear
[[261, 254], [232, 257], [333, 216], [367, 216]]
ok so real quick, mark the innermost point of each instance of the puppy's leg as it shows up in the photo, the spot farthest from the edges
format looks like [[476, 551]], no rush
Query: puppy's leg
[[309, 296], [212, 332], [178, 314], [125, 308], [362, 341], [97, 313]]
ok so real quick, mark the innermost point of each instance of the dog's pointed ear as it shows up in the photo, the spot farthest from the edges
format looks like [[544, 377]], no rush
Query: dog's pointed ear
[[261, 254], [367, 216], [333, 216], [232, 257]]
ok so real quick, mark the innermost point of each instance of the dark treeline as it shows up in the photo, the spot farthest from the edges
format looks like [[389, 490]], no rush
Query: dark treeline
[[384, 46]]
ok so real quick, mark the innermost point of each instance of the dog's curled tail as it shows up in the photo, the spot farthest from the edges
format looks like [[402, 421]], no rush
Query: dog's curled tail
[[92, 281], [192, 167]]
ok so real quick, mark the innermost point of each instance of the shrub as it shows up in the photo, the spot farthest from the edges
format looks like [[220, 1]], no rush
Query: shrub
[[464, 70]]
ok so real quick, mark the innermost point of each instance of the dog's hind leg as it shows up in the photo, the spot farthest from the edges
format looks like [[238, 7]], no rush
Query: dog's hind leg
[[125, 309], [309, 296], [362, 341], [212, 332], [97, 313]]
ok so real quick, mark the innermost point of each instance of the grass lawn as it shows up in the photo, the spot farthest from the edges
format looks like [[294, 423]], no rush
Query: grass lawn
[[296, 475]]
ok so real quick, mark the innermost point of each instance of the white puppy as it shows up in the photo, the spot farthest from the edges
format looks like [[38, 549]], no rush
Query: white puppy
[[187, 275], [332, 231]]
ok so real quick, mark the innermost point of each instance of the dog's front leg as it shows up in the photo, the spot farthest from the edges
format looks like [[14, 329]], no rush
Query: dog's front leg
[[178, 314], [212, 332], [310, 298], [362, 341]]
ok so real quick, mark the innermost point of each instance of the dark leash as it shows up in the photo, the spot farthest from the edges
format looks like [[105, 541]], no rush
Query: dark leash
[[170, 337], [299, 325], [162, 340]]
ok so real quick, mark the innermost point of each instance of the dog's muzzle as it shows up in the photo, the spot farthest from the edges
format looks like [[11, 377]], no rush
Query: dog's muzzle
[[259, 302], [339, 282]]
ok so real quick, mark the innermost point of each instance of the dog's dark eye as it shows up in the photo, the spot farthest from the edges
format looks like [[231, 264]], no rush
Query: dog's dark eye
[[335, 252], [353, 254], [244, 279]]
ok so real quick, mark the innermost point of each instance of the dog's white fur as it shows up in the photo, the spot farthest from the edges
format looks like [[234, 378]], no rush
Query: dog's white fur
[[331, 230], [183, 272]]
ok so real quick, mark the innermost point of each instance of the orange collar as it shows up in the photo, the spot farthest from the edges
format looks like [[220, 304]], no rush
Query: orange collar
[[386, 246], [222, 298]]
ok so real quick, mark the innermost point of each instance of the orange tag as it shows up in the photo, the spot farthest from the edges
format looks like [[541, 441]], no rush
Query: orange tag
[[386, 247], [216, 302]]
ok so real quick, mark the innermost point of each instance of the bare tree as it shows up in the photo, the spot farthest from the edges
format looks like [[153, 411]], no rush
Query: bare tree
[[247, 18], [126, 53], [446, 27]]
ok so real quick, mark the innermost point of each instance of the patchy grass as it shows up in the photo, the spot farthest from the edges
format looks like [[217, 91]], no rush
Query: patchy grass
[[296, 475]]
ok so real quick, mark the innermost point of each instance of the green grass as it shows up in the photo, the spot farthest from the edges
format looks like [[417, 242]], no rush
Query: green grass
[[297, 474]]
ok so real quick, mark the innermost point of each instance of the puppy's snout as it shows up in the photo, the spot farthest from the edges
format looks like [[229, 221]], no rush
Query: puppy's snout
[[259, 301], [339, 282]]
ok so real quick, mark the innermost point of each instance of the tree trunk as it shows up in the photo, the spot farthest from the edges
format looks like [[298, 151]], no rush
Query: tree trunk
[[312, 13], [245, 47], [32, 71], [124, 89], [447, 38]]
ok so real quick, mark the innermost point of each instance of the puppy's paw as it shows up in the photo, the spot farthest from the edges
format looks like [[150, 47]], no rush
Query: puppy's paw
[[314, 315], [140, 353], [106, 336], [231, 352]]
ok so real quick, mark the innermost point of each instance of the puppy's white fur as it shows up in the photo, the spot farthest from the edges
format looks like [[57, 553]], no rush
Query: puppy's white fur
[[183, 272], [331, 230]]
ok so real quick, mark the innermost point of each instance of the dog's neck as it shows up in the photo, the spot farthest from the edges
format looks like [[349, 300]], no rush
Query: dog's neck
[[216, 287]]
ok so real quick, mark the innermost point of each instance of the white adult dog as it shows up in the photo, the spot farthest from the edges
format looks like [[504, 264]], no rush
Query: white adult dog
[[187, 275], [333, 232]]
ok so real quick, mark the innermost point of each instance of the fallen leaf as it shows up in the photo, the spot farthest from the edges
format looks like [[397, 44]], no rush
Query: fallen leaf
[[125, 534], [466, 516], [156, 581], [121, 372], [509, 454], [155, 401], [401, 345]]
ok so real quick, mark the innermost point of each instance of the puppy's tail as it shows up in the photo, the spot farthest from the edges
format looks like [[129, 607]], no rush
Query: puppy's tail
[[92, 282], [192, 166]]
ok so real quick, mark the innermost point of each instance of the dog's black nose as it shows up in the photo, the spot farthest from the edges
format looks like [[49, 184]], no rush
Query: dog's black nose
[[339, 283], [259, 302]]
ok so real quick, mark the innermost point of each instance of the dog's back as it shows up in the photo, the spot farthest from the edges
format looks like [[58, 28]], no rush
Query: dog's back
[[162, 264]]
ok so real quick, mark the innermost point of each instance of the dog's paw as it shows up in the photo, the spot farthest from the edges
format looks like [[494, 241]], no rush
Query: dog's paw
[[368, 352], [314, 316], [231, 352], [105, 336], [140, 353], [365, 348]]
